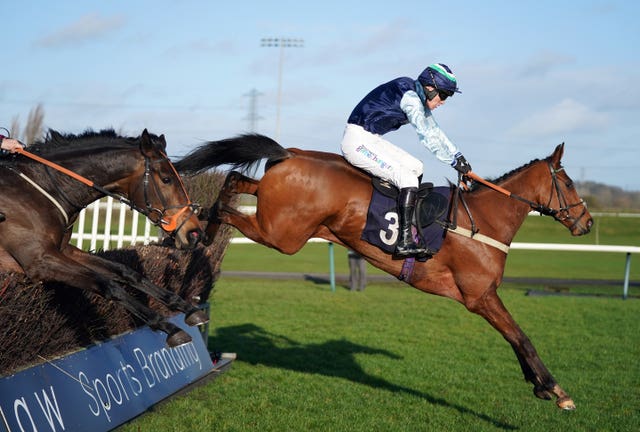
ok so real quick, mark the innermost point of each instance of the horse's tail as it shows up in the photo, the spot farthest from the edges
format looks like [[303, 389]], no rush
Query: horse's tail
[[241, 152]]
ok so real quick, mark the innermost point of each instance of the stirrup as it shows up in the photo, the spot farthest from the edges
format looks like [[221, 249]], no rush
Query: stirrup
[[411, 250]]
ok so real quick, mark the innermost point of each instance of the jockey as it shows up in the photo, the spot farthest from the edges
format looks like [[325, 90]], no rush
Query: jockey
[[386, 108]]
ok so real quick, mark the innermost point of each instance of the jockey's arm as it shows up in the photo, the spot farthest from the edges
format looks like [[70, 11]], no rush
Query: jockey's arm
[[429, 133]]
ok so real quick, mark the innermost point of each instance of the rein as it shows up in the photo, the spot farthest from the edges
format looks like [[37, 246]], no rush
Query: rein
[[170, 224], [561, 214]]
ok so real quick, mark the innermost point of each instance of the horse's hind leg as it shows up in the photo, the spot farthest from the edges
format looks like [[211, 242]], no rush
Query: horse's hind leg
[[234, 184], [491, 308]]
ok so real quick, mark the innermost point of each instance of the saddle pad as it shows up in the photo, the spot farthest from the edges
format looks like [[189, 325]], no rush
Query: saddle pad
[[382, 226]]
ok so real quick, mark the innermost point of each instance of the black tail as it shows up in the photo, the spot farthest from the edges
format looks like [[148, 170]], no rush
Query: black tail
[[241, 152]]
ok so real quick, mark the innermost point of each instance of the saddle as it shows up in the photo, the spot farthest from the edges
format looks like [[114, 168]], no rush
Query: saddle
[[430, 216], [429, 206]]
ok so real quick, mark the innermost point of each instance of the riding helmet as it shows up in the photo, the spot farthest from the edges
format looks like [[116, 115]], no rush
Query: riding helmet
[[439, 75]]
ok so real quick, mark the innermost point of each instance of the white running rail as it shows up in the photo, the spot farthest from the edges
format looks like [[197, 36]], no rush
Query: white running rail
[[132, 227], [129, 232]]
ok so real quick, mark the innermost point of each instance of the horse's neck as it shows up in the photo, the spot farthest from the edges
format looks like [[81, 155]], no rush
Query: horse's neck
[[107, 167], [104, 170], [507, 214]]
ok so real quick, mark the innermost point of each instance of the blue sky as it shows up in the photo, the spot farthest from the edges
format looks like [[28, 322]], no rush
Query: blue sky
[[532, 73]]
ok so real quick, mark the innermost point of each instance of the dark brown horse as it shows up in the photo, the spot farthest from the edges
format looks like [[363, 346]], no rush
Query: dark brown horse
[[39, 204], [306, 194]]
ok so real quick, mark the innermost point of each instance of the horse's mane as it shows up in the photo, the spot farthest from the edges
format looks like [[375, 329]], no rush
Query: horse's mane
[[87, 141], [476, 185]]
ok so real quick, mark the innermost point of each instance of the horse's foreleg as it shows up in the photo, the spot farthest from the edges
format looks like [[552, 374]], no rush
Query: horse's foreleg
[[491, 308], [193, 315], [61, 268]]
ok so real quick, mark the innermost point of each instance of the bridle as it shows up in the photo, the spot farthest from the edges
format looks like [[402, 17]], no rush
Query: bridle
[[157, 216], [560, 214], [168, 223]]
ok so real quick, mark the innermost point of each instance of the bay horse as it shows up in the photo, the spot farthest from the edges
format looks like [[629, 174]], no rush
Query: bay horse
[[305, 194], [39, 205]]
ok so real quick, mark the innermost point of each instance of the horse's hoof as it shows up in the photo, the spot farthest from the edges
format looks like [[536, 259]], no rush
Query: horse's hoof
[[197, 317], [566, 403], [178, 338], [542, 393]]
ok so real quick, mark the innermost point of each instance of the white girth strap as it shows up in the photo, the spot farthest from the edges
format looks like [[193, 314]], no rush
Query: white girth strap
[[45, 193], [481, 238]]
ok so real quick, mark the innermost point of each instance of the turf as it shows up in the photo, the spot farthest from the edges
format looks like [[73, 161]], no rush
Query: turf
[[392, 358]]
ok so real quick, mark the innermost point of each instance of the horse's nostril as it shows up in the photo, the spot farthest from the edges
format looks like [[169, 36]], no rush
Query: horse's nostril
[[194, 236]]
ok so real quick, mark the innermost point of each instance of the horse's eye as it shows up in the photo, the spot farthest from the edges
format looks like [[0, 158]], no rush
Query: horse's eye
[[166, 180], [569, 184]]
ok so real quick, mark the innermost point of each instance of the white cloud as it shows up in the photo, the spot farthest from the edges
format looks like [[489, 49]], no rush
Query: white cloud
[[87, 27], [565, 117]]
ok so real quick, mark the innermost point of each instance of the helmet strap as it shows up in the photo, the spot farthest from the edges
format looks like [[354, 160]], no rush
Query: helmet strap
[[430, 94]]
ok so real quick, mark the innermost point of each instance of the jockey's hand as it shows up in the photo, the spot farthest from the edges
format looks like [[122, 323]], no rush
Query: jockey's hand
[[10, 145], [460, 164]]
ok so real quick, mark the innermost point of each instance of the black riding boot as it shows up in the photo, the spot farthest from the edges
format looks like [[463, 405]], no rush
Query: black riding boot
[[406, 205]]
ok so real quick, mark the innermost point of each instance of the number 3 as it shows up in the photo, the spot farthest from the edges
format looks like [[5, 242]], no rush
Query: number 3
[[390, 235]]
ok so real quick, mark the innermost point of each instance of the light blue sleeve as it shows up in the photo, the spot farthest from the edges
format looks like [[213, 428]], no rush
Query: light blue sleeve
[[429, 133]]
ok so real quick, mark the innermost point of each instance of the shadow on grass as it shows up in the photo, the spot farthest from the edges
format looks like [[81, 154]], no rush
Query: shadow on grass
[[334, 358]]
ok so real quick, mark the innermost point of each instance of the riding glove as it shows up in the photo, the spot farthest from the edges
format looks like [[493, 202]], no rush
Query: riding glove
[[3, 152], [461, 164]]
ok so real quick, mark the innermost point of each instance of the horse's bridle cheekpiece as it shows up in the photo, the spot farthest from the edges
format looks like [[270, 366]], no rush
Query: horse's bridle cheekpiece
[[168, 224]]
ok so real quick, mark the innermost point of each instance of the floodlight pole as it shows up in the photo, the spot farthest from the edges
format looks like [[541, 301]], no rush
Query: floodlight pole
[[281, 43]]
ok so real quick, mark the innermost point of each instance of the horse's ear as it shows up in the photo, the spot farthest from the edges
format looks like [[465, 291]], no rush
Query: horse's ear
[[557, 154], [146, 144], [162, 143]]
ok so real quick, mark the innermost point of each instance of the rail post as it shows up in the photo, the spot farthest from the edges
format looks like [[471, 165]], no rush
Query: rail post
[[627, 269], [332, 268]]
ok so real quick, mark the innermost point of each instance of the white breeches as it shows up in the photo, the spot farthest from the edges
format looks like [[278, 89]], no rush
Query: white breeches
[[379, 157]]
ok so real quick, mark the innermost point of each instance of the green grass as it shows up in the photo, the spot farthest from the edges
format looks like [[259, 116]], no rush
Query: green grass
[[394, 359]]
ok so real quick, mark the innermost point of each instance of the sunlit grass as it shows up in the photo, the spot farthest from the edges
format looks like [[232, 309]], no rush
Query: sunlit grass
[[392, 358]]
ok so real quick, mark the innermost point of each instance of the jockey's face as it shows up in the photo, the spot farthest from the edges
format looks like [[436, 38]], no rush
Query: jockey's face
[[435, 102]]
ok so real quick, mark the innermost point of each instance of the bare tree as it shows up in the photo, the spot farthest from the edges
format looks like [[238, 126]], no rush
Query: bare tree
[[15, 127], [33, 129]]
